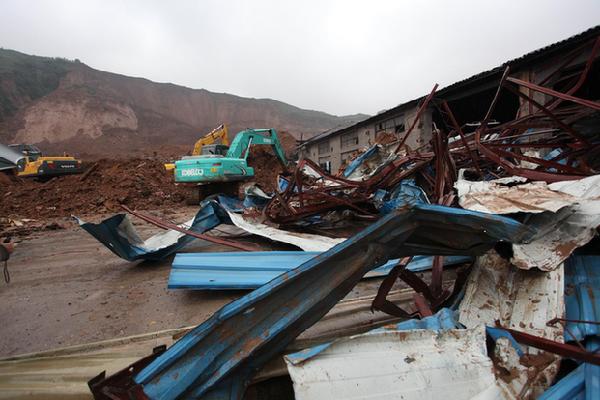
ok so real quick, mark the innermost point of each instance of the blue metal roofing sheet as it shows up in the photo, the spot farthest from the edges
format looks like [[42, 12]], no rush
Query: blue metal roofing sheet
[[220, 355], [244, 270], [582, 296], [119, 235]]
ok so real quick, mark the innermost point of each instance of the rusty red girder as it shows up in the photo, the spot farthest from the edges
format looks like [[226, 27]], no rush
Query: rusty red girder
[[502, 149], [562, 349], [300, 200], [563, 96], [505, 150], [306, 196], [417, 117], [458, 129]]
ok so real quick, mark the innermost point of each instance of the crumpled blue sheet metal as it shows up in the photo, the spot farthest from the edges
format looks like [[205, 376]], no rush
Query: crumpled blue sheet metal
[[357, 162], [583, 383], [217, 358], [255, 198], [444, 319], [118, 234], [405, 193], [582, 296], [243, 270]]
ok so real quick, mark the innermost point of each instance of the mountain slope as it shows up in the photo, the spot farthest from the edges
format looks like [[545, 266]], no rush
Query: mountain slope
[[67, 106]]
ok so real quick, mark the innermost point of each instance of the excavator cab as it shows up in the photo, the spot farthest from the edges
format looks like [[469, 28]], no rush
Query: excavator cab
[[214, 149], [30, 151], [205, 146]]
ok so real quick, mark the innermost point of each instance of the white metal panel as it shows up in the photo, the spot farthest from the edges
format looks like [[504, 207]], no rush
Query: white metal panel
[[567, 214], [305, 241], [415, 364], [499, 198]]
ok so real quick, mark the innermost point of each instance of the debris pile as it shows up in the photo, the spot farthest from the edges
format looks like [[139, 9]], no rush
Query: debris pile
[[511, 210], [514, 202]]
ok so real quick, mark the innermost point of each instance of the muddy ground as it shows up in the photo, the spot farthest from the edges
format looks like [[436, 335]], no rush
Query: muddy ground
[[68, 289]]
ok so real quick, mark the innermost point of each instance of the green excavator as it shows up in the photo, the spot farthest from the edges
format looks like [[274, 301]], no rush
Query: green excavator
[[219, 165]]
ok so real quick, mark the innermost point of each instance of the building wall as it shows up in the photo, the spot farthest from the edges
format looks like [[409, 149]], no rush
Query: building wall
[[341, 147], [366, 133]]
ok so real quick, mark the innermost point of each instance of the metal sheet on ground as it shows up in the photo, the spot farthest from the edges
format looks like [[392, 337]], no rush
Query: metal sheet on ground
[[243, 270], [401, 365], [305, 241], [276, 313]]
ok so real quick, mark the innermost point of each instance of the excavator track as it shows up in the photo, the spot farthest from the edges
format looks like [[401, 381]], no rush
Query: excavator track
[[196, 193]]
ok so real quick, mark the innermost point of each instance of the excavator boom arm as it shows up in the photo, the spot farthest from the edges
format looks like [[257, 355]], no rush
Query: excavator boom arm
[[240, 147]]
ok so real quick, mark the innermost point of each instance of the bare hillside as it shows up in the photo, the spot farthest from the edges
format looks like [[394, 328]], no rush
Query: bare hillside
[[67, 106]]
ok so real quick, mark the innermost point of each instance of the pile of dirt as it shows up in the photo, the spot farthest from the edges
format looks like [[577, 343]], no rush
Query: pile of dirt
[[266, 164], [266, 168], [288, 142], [140, 183]]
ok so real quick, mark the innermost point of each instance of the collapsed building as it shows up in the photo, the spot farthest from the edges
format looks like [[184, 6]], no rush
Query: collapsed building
[[468, 99], [492, 185]]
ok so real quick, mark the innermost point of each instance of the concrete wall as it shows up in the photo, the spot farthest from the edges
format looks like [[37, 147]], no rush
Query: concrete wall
[[366, 135]]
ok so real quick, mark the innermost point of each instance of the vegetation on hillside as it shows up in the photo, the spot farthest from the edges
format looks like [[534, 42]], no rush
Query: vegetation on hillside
[[24, 78]]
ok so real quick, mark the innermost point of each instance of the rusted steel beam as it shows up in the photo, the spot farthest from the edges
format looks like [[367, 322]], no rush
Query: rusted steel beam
[[540, 161], [414, 281], [527, 173], [388, 179], [417, 117], [554, 321], [437, 271], [168, 225], [459, 130], [549, 113], [583, 75], [543, 118], [422, 306], [440, 167], [111, 388], [563, 96], [562, 349], [492, 106], [380, 302]]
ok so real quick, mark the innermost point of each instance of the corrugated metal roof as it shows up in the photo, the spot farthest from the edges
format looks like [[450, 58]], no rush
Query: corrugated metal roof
[[519, 299], [220, 355], [243, 270], [566, 214], [493, 73], [582, 296]]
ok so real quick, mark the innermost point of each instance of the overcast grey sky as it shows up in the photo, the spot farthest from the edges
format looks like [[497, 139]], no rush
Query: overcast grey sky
[[341, 57]]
